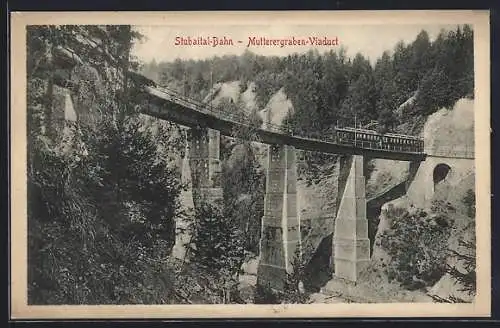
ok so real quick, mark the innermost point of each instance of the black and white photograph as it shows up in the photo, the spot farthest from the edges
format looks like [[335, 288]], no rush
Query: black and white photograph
[[249, 162]]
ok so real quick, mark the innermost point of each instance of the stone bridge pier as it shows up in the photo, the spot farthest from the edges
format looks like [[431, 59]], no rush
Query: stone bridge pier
[[204, 163], [280, 235], [351, 245], [201, 170]]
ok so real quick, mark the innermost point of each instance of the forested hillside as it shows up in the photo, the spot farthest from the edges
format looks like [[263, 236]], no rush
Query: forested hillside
[[104, 188]]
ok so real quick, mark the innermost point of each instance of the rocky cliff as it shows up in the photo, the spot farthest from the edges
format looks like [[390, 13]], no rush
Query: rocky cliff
[[449, 139]]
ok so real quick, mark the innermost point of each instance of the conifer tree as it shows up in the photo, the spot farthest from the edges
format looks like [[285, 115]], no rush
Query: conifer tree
[[101, 200]]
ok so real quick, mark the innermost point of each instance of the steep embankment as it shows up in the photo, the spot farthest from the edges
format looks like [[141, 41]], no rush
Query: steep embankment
[[228, 90]]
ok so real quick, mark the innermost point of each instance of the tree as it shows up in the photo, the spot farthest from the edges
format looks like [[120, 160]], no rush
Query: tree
[[387, 120], [467, 276], [199, 83], [151, 70], [217, 248], [420, 61], [386, 92], [402, 78], [362, 96], [267, 83], [451, 77], [103, 198], [332, 88], [434, 93], [417, 244], [467, 49]]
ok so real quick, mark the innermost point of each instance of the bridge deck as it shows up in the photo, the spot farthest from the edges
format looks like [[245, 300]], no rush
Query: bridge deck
[[169, 105]]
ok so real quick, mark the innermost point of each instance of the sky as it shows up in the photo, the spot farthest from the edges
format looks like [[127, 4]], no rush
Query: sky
[[371, 41]]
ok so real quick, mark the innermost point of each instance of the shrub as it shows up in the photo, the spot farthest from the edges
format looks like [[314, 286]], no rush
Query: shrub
[[466, 274], [417, 243], [100, 228], [218, 249], [293, 291]]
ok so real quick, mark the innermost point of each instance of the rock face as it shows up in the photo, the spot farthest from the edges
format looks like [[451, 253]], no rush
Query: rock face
[[317, 208], [463, 230], [277, 108], [447, 133], [449, 141], [248, 97], [451, 132], [248, 279], [448, 287], [250, 266], [385, 174], [230, 90]]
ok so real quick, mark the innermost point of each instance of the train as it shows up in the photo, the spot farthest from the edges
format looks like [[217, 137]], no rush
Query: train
[[374, 140], [357, 137]]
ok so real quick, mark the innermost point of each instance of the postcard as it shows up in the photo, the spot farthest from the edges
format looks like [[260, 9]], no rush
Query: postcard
[[250, 164]]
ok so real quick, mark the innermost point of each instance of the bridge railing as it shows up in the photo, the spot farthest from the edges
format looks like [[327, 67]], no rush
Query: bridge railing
[[243, 119], [235, 117], [453, 151]]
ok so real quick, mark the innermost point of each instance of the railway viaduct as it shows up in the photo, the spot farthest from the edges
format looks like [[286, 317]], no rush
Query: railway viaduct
[[281, 231], [281, 227], [280, 235]]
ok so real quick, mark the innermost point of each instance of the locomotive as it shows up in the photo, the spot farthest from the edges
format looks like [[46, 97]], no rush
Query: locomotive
[[371, 139]]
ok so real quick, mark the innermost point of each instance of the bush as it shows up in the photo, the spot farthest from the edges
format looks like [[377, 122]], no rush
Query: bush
[[100, 228], [218, 249], [293, 291], [467, 257], [265, 295], [416, 243], [463, 272]]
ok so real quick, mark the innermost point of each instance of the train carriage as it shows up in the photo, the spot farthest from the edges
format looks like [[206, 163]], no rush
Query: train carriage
[[371, 139]]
